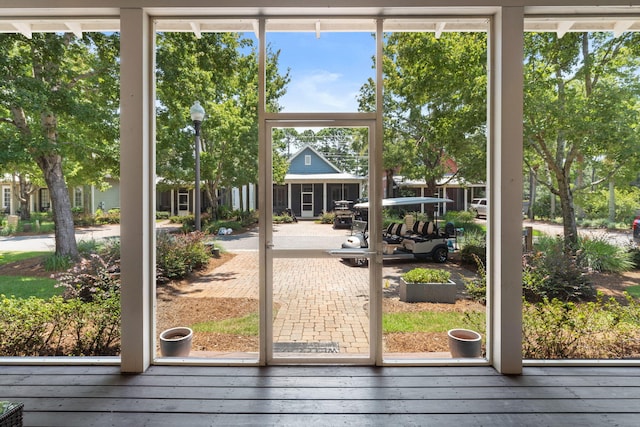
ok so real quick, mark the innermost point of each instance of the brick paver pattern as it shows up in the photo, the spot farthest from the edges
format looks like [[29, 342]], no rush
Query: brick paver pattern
[[319, 300]]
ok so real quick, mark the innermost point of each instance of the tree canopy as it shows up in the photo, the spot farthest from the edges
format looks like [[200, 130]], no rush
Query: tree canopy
[[581, 110], [434, 105], [58, 108], [221, 71]]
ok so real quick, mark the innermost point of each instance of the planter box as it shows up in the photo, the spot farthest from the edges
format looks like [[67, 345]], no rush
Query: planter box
[[428, 292]]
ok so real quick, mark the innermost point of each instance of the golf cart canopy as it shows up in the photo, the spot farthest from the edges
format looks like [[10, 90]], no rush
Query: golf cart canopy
[[403, 201]]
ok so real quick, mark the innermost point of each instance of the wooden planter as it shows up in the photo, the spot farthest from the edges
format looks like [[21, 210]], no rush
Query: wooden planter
[[428, 292]]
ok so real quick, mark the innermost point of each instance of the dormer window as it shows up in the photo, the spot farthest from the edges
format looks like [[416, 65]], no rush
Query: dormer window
[[307, 160]]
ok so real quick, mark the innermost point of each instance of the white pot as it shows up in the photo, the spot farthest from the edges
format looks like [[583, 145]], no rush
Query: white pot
[[176, 342], [464, 343]]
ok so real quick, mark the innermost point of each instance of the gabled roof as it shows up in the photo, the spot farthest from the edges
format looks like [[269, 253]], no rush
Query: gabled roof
[[308, 148]]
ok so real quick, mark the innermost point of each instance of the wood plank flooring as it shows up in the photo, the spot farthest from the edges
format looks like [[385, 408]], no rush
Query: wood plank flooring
[[324, 396]]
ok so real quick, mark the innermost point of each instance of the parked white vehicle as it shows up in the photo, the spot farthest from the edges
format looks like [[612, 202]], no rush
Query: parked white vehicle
[[479, 207]]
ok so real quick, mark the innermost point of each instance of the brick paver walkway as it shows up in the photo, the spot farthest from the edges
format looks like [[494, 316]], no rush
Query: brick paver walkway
[[319, 300]]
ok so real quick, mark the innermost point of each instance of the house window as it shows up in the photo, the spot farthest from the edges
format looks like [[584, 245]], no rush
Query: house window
[[77, 197], [45, 201], [6, 198], [307, 160]]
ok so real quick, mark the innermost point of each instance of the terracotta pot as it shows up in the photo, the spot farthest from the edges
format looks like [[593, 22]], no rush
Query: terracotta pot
[[176, 342], [464, 343]]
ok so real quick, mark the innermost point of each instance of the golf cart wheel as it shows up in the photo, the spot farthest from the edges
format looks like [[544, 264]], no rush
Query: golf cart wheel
[[440, 255], [358, 262]]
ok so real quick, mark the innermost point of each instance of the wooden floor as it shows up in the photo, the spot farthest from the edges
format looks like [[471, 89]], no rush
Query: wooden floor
[[324, 396]]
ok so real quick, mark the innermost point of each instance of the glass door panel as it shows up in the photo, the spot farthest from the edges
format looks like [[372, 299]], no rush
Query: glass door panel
[[319, 298]]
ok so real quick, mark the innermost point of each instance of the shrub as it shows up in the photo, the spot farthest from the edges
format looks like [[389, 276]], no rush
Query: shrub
[[55, 262], [603, 329], [162, 215], [474, 245], [83, 219], [112, 216], [247, 218], [552, 273], [477, 287], [327, 217], [634, 255], [426, 275], [596, 253], [282, 219], [93, 278], [180, 254], [55, 327]]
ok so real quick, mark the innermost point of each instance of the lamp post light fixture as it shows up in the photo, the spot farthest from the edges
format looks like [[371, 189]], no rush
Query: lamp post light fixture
[[197, 115]]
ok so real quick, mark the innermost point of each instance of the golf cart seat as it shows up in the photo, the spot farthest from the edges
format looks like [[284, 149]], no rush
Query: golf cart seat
[[422, 231], [394, 233]]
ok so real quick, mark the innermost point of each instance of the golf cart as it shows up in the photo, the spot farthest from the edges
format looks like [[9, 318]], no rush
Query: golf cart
[[343, 214], [406, 240]]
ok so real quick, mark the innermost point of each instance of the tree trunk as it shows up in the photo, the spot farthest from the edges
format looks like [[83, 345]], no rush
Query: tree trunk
[[568, 214], [24, 197], [612, 201], [51, 165]]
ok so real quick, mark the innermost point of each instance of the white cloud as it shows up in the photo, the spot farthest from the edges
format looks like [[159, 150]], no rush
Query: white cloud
[[321, 91]]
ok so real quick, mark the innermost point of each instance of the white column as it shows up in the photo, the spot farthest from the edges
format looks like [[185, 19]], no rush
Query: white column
[[137, 197], [504, 222], [324, 197]]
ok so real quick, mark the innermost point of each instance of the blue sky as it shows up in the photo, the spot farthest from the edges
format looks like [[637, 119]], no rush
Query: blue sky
[[326, 72]]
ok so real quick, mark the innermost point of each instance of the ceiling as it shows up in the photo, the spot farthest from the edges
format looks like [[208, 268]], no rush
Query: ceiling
[[561, 25]]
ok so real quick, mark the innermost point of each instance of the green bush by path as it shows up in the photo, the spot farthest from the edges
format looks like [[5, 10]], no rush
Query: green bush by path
[[25, 287], [37, 327], [602, 329], [179, 254]]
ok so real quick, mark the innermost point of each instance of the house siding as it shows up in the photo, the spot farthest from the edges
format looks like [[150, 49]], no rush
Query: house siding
[[318, 165]]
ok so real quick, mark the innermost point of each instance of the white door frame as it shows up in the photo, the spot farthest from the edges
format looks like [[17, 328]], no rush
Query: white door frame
[[361, 120]]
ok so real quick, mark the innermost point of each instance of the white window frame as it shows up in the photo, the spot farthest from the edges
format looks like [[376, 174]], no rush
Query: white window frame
[[78, 191], [6, 197]]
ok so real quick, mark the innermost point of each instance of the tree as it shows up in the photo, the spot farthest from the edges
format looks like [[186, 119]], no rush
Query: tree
[[435, 106], [581, 111], [58, 109], [221, 71]]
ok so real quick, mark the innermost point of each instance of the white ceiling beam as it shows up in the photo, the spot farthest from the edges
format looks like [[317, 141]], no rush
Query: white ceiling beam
[[195, 27], [440, 26], [23, 28], [563, 28], [318, 29], [621, 26], [256, 28], [75, 28]]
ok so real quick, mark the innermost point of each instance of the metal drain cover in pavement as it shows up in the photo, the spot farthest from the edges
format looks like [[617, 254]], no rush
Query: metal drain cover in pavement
[[306, 347]]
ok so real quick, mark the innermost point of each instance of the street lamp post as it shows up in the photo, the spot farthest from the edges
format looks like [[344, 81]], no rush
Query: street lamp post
[[197, 115]]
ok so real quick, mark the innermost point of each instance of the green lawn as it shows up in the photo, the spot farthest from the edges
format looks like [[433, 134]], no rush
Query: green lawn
[[634, 291], [8, 257], [423, 321], [247, 325], [25, 287]]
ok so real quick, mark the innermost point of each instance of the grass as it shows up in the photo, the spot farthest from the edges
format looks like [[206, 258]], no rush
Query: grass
[[422, 321], [8, 257], [247, 326], [25, 287], [634, 291]]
